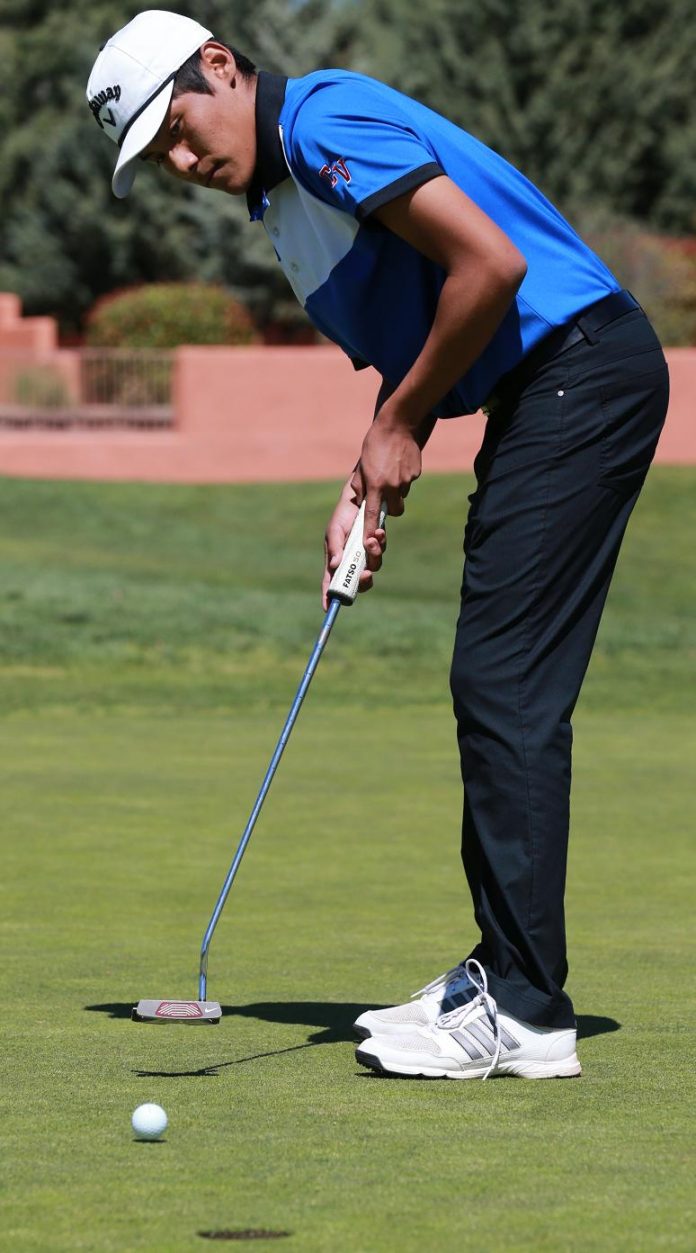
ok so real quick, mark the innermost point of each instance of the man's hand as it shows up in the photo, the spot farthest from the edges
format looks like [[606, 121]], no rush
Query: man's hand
[[337, 532], [389, 463]]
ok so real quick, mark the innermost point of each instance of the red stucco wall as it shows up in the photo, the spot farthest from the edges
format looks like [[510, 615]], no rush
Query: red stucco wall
[[262, 414]]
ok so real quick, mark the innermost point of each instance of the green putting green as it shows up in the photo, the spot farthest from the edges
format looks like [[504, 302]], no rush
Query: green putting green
[[149, 651]]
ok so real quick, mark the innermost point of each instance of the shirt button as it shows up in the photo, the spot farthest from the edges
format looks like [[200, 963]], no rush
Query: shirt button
[[294, 267], [276, 232]]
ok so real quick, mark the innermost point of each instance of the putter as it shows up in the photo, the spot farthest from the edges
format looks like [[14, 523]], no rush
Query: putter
[[342, 591]]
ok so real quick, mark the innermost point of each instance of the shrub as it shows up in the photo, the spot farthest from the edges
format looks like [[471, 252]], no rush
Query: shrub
[[42, 387], [659, 270], [165, 315]]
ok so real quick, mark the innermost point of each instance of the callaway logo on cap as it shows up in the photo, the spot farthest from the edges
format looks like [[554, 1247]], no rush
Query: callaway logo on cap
[[132, 80]]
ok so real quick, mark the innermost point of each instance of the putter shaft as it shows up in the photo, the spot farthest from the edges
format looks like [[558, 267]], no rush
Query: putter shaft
[[329, 619]]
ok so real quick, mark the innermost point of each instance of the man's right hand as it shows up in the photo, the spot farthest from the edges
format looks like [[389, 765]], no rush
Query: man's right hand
[[337, 532]]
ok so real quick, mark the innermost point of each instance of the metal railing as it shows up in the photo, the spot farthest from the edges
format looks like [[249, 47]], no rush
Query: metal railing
[[86, 388]]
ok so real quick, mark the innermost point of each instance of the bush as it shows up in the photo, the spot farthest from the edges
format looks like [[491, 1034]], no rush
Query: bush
[[41, 388], [165, 315], [659, 270]]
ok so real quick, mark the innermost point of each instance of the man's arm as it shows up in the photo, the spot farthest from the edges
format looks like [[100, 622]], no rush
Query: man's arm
[[483, 271], [342, 519]]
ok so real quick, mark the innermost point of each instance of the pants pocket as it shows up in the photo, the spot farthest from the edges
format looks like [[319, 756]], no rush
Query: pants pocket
[[634, 407]]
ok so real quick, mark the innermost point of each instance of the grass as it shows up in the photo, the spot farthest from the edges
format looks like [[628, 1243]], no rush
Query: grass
[[149, 649]]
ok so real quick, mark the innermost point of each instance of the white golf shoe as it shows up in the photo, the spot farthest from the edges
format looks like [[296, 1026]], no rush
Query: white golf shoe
[[473, 1041], [447, 992]]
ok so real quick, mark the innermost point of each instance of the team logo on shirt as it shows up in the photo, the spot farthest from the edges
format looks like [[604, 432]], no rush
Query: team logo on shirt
[[337, 169]]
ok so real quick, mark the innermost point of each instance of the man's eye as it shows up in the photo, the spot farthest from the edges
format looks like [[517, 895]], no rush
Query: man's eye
[[174, 129]]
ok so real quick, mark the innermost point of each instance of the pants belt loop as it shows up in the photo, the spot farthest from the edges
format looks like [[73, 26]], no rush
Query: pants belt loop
[[590, 335]]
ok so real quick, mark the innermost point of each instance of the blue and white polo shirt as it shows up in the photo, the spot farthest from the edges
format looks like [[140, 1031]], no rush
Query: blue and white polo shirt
[[334, 146]]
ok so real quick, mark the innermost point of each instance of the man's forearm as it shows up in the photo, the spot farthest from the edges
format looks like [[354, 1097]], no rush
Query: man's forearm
[[464, 324], [483, 269]]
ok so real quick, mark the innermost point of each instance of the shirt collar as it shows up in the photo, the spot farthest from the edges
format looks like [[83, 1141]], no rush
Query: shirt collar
[[271, 166]]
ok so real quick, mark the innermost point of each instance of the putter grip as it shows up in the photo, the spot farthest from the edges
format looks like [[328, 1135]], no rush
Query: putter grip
[[344, 584]]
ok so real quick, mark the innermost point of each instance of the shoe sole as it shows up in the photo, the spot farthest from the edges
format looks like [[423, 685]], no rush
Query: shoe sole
[[363, 1033], [570, 1068]]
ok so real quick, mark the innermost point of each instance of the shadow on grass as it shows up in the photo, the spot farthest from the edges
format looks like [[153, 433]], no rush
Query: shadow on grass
[[114, 1009], [334, 1020], [213, 1068], [595, 1024]]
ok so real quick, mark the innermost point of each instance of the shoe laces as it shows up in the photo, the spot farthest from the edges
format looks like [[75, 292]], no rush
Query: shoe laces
[[442, 980], [457, 1017]]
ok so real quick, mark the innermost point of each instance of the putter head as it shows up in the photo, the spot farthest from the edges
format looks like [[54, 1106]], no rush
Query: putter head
[[196, 1012]]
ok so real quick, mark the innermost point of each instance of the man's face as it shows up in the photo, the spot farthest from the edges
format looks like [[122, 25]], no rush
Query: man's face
[[211, 140]]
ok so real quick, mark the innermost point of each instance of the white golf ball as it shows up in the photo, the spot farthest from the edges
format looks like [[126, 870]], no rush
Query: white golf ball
[[149, 1121]]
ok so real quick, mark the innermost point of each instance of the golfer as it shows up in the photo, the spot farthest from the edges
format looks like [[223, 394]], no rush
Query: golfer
[[423, 253]]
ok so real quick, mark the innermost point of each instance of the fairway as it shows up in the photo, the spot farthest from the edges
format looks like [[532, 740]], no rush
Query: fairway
[[149, 653]]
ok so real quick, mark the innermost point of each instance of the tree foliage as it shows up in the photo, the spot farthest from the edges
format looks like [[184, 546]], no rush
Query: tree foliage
[[64, 239], [594, 101]]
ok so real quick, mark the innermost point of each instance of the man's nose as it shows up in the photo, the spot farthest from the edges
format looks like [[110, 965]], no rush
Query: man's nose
[[182, 160]]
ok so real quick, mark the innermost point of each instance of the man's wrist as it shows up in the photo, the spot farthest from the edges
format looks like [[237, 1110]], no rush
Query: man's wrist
[[400, 416]]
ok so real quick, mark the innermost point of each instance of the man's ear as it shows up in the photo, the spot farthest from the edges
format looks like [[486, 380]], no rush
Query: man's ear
[[218, 60]]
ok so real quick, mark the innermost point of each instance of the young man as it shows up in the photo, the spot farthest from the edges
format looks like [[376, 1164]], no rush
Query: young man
[[421, 252]]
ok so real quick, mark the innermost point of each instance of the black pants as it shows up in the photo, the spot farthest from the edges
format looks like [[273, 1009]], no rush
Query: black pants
[[559, 471]]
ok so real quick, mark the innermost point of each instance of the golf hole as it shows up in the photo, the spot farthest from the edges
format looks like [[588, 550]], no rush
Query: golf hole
[[251, 1233]]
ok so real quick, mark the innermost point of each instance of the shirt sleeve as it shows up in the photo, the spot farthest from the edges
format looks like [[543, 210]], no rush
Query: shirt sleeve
[[353, 146]]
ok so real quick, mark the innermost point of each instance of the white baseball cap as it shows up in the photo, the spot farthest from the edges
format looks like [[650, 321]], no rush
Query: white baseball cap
[[132, 81]]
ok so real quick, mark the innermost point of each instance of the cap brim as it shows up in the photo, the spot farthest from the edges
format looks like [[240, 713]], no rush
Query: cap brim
[[141, 133]]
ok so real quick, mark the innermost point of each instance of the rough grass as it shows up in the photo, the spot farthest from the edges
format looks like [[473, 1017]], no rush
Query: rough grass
[[148, 659], [168, 596]]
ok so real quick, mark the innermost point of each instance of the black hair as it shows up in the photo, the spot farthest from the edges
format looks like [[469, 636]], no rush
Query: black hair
[[190, 76]]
